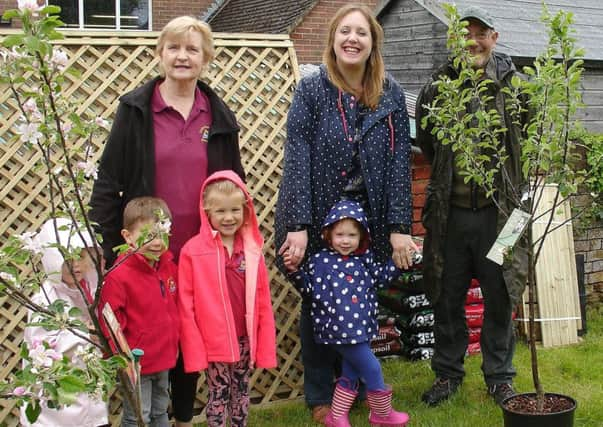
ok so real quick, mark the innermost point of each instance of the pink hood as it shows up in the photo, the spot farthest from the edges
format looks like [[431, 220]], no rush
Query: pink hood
[[250, 230]]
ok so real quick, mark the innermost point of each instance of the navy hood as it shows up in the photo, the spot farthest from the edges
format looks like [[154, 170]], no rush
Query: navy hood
[[351, 210]]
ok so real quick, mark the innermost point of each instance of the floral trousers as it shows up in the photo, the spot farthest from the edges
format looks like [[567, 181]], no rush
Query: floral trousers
[[228, 385]]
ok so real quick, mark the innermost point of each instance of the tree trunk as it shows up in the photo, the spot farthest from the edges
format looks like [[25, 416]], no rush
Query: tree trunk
[[532, 322]]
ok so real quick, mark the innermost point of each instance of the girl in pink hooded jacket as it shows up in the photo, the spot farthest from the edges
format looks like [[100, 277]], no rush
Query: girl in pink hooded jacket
[[224, 299]]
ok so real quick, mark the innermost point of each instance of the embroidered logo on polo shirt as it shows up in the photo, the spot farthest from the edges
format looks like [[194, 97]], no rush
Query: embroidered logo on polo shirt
[[204, 134], [241, 268], [172, 285]]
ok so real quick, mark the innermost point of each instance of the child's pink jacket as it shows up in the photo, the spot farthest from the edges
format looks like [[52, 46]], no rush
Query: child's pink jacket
[[208, 328]]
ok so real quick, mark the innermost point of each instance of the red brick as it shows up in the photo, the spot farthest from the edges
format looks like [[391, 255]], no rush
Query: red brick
[[416, 214], [418, 186], [421, 172], [418, 201], [417, 229]]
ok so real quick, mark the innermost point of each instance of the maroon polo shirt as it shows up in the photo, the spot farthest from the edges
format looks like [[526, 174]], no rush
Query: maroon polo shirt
[[181, 163], [235, 279]]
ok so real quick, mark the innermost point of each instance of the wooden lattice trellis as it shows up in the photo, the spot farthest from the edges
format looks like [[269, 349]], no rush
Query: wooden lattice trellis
[[255, 74]]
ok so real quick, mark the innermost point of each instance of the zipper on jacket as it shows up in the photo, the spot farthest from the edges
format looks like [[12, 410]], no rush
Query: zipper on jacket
[[162, 287], [222, 284]]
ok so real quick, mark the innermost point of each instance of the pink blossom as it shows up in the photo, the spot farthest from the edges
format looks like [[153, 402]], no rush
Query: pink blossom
[[89, 168], [66, 127], [30, 106], [30, 6], [42, 356], [19, 391], [100, 122], [59, 59]]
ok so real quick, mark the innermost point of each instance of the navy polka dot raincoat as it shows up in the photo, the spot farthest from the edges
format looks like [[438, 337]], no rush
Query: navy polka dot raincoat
[[342, 288], [321, 127]]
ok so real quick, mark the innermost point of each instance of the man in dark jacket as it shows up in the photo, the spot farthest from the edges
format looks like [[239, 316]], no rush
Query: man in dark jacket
[[462, 224]]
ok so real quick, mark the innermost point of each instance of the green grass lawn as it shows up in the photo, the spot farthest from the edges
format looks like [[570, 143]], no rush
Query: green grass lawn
[[575, 370]]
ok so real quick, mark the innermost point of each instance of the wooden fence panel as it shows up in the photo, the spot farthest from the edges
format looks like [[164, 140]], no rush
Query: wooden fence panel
[[255, 74]]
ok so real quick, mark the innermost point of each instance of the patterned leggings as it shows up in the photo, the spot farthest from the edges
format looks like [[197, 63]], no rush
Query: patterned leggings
[[228, 385]]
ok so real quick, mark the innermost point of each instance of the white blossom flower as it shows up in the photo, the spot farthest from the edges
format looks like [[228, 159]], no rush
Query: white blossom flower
[[42, 356], [89, 168], [30, 106], [29, 6], [59, 60], [164, 226], [66, 127], [57, 170], [7, 277], [14, 54], [29, 243], [30, 132], [100, 122]]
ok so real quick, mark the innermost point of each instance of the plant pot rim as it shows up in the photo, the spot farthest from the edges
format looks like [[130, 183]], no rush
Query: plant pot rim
[[531, 394]]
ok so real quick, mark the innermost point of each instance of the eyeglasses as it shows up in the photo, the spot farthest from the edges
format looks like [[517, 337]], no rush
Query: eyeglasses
[[482, 35]]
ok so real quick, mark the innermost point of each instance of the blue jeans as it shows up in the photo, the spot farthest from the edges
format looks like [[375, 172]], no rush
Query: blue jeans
[[320, 362], [154, 400]]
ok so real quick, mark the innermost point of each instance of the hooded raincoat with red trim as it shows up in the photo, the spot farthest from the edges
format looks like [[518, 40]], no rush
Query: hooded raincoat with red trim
[[208, 329]]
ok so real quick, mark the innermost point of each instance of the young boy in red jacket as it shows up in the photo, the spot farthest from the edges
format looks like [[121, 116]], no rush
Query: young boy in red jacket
[[141, 290], [224, 299]]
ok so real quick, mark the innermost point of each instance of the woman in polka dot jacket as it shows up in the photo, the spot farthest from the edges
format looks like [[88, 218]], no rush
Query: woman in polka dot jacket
[[341, 280], [347, 137]]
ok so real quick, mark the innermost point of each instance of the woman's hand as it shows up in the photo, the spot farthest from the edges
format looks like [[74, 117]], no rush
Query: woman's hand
[[295, 247], [403, 249]]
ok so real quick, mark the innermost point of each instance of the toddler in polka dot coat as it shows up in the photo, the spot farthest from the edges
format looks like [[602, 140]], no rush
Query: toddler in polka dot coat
[[341, 281]]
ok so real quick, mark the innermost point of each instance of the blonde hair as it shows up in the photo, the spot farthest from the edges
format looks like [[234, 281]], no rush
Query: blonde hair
[[181, 25], [223, 187], [144, 209], [374, 74]]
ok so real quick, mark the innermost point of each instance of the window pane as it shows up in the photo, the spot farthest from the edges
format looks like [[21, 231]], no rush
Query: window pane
[[69, 12], [134, 14], [99, 14]]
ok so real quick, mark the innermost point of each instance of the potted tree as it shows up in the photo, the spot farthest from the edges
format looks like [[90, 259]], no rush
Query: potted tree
[[549, 158], [52, 131]]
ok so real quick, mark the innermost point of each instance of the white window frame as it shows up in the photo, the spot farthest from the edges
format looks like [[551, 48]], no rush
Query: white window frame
[[80, 18]]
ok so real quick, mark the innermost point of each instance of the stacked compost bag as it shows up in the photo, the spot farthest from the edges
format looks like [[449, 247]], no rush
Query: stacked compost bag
[[405, 318], [474, 313]]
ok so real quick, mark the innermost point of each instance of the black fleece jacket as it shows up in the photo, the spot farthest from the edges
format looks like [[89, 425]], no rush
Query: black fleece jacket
[[127, 165]]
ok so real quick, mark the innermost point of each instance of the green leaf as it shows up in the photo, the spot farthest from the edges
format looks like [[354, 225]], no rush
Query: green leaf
[[10, 14], [71, 384], [32, 43], [32, 411], [51, 10], [13, 40]]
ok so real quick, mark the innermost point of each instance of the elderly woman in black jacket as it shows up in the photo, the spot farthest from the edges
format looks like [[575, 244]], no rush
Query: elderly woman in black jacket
[[167, 137]]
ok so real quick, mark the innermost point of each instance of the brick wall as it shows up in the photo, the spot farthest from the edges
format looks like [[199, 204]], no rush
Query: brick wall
[[5, 5], [420, 178], [163, 10], [589, 243], [310, 36]]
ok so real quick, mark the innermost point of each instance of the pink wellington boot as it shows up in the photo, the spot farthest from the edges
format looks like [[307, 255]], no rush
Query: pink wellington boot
[[343, 399], [382, 414]]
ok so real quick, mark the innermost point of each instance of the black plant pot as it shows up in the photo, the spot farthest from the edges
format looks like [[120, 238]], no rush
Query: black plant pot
[[556, 419]]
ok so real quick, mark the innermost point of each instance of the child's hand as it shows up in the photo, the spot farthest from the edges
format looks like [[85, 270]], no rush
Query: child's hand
[[290, 265]]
